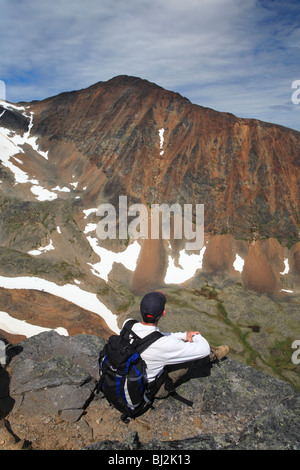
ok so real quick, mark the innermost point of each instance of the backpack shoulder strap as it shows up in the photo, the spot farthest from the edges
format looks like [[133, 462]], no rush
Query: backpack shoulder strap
[[127, 327], [144, 343], [141, 344]]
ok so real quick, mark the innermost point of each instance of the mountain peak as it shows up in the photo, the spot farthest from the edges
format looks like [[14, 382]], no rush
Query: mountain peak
[[214, 158]]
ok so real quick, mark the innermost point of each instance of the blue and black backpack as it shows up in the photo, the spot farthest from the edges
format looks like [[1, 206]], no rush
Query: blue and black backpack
[[123, 372]]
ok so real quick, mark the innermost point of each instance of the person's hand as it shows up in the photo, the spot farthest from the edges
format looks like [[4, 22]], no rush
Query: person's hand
[[190, 334]]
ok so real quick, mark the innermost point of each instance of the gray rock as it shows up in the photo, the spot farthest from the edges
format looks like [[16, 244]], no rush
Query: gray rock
[[81, 349], [275, 429], [233, 386], [55, 374], [30, 375]]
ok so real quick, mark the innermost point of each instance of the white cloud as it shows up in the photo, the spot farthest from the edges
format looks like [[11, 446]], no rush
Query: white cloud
[[230, 55]]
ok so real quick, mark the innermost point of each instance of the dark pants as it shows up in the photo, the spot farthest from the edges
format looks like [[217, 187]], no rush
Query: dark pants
[[178, 373]]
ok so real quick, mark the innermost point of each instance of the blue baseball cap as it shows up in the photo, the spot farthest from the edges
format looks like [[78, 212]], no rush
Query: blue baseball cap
[[152, 306]]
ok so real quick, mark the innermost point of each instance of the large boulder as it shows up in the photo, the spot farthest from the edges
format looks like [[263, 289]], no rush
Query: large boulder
[[54, 374], [234, 406]]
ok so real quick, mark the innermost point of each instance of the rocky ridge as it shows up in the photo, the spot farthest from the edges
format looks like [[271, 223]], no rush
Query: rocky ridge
[[47, 402]]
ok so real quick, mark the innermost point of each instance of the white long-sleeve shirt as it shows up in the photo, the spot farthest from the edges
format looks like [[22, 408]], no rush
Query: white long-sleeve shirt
[[169, 350]]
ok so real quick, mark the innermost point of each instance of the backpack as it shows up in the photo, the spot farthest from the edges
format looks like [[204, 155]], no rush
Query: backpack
[[123, 372]]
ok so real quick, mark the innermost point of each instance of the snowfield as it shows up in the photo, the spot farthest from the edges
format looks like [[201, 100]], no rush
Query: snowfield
[[69, 292]]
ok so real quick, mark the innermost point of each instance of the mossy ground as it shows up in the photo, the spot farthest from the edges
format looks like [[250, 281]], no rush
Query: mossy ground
[[259, 330]]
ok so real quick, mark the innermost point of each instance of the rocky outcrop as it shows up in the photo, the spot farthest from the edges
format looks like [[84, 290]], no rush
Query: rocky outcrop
[[48, 401], [54, 370]]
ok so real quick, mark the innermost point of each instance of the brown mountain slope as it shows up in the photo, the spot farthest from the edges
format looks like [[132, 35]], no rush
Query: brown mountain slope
[[246, 172]]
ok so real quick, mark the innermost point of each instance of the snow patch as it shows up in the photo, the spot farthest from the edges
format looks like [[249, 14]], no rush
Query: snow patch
[[127, 257], [11, 144], [32, 141], [64, 189], [42, 193], [74, 294], [189, 264], [42, 249], [161, 140], [7, 105], [7, 150], [286, 267], [90, 228], [238, 263], [21, 327], [87, 212], [26, 138]]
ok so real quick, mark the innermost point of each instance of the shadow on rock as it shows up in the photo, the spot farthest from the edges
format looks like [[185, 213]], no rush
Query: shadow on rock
[[196, 369], [8, 351]]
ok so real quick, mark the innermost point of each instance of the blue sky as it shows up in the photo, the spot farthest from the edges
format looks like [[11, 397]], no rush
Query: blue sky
[[238, 56]]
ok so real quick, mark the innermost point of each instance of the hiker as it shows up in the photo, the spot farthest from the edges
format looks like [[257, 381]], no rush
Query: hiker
[[169, 358]]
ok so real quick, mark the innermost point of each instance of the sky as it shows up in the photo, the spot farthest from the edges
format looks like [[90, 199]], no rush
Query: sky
[[236, 56]]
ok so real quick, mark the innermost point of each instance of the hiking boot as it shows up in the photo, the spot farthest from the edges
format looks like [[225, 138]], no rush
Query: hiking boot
[[219, 352]]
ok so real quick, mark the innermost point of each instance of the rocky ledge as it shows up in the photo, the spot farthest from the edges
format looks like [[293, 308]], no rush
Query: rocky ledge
[[47, 401]]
